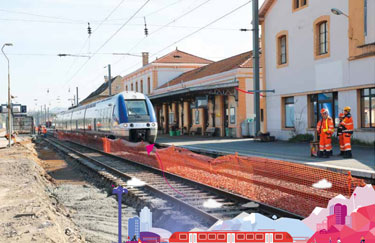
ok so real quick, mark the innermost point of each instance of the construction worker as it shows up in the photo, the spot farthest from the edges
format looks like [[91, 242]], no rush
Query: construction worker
[[44, 130], [325, 129], [340, 135], [347, 131]]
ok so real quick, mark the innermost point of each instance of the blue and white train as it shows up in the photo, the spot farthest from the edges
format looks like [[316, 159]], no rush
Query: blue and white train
[[127, 115]]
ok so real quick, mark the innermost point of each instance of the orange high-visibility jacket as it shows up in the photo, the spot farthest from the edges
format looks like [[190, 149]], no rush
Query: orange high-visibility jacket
[[348, 124], [326, 126]]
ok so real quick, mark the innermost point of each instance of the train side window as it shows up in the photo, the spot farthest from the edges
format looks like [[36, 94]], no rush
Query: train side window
[[249, 236], [183, 236], [211, 236], [259, 236], [202, 236], [278, 236], [221, 236], [240, 236]]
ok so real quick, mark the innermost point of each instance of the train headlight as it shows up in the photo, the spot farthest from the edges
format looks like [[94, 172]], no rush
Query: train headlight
[[125, 125], [153, 124]]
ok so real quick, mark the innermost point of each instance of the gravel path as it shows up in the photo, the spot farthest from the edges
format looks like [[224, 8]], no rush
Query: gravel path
[[94, 212]]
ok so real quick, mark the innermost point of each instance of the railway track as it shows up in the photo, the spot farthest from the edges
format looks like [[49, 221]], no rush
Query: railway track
[[192, 195]]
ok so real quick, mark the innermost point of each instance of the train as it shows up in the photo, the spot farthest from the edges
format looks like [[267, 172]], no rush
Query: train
[[127, 115], [230, 237]]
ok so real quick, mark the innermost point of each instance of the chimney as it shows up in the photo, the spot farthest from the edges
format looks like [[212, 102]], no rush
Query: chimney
[[145, 58], [105, 78]]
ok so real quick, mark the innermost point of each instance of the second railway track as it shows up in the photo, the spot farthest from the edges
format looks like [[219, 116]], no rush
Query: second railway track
[[193, 194]]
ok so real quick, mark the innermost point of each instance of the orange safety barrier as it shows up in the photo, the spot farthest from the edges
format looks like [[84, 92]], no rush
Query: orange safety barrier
[[277, 183]]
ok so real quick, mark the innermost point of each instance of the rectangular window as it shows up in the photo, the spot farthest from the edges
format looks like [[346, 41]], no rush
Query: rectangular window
[[232, 115], [148, 85], [196, 116], [126, 88], [171, 118], [136, 86], [328, 101], [202, 236], [259, 236], [299, 4], [278, 236], [289, 112], [221, 236], [368, 108], [323, 45], [296, 4], [282, 43], [249, 236], [240, 236], [365, 17], [141, 85], [132, 87], [211, 236], [136, 107]]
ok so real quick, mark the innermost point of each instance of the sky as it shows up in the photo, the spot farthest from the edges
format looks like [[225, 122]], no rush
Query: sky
[[42, 29]]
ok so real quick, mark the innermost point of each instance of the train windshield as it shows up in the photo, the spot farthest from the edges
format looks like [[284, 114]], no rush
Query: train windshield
[[136, 107]]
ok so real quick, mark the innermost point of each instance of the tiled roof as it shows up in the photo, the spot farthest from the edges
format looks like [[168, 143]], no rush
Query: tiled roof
[[241, 60], [178, 56], [99, 90]]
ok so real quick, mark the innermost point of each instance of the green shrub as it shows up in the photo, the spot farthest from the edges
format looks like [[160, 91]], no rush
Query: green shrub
[[307, 137]]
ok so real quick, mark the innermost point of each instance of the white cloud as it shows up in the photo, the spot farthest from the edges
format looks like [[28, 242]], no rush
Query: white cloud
[[135, 182], [211, 203], [322, 184]]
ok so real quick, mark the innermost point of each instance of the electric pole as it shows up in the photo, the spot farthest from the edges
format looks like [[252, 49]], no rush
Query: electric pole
[[77, 94], [256, 66], [109, 80]]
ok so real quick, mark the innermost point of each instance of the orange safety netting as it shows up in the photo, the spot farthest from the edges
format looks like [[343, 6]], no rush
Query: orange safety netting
[[277, 183]]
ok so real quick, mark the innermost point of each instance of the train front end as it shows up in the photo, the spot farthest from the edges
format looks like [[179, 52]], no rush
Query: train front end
[[137, 120]]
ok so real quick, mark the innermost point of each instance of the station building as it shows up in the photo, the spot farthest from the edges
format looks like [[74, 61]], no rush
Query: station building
[[207, 100], [153, 75], [315, 59], [102, 91]]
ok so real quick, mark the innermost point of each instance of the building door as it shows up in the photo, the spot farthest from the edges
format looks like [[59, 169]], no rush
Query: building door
[[231, 238], [269, 238], [192, 237], [226, 116]]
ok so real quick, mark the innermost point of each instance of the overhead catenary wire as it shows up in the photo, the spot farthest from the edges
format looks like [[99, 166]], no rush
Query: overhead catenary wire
[[39, 15], [162, 27], [87, 41], [203, 27], [109, 39], [194, 32]]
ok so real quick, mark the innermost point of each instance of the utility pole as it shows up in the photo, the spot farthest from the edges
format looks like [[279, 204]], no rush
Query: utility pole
[[45, 114], [9, 99], [256, 66], [77, 94], [109, 80]]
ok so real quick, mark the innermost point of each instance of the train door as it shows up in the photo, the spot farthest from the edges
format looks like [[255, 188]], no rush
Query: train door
[[269, 238], [192, 237], [231, 238]]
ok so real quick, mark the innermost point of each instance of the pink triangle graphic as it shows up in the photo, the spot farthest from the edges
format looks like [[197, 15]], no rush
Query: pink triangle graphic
[[149, 148]]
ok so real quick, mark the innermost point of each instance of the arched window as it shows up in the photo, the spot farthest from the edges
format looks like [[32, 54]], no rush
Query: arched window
[[136, 86], [282, 49], [321, 37], [141, 85]]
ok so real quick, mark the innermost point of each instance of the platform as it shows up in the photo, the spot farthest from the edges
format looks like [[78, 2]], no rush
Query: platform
[[362, 164]]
